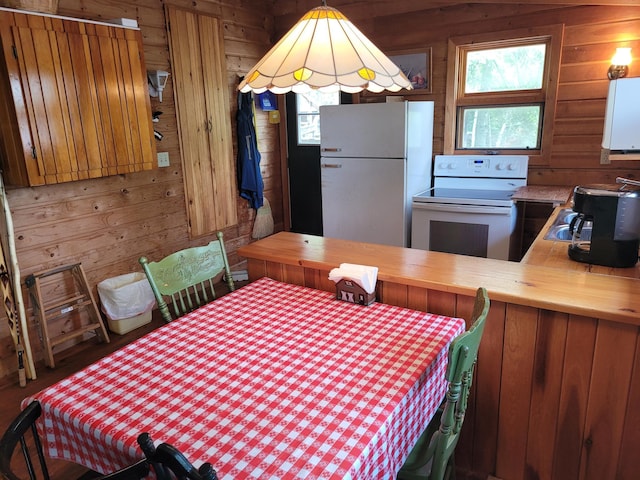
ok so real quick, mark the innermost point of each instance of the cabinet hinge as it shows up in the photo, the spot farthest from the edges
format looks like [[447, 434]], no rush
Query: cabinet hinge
[[15, 51], [33, 152]]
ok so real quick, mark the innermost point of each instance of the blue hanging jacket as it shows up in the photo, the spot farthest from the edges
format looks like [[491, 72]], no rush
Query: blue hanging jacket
[[250, 183]]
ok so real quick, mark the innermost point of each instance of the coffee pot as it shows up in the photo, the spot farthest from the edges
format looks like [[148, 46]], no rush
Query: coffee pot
[[613, 214]]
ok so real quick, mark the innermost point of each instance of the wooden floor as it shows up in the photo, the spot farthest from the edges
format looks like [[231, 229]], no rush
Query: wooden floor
[[68, 362]]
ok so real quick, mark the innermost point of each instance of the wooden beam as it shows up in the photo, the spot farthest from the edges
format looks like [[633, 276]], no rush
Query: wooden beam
[[392, 7], [287, 12]]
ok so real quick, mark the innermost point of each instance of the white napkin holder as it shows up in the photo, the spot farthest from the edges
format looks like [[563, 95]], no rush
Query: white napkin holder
[[355, 283]]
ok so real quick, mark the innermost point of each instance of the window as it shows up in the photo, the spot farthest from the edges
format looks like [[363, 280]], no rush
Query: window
[[501, 91], [508, 127], [504, 69], [308, 114]]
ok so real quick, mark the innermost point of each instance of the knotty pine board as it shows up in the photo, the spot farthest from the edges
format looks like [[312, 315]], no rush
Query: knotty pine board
[[108, 223]]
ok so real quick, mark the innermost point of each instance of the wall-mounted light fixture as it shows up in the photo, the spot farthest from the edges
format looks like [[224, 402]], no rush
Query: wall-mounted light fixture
[[620, 63], [157, 81]]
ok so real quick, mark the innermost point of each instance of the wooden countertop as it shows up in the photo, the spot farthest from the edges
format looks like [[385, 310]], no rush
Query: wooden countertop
[[550, 253], [557, 289], [556, 195]]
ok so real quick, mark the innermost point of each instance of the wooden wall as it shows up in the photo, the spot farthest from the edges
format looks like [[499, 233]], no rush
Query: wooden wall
[[556, 392], [108, 223], [590, 37]]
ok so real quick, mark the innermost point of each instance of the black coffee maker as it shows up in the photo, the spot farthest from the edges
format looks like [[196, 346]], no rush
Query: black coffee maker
[[613, 213]]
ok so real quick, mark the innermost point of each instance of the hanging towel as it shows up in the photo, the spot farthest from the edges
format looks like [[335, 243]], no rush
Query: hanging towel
[[250, 183]]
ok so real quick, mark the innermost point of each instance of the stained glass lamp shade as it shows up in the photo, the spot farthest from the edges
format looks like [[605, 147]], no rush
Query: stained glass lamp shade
[[324, 51]]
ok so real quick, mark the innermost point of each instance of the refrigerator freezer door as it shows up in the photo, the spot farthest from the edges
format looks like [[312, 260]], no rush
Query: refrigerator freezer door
[[363, 200], [364, 130]]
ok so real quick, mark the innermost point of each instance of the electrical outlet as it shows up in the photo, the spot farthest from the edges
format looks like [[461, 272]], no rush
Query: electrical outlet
[[163, 159], [604, 156]]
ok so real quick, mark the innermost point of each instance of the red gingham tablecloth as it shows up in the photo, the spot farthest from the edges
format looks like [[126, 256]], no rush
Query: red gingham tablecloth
[[272, 381]]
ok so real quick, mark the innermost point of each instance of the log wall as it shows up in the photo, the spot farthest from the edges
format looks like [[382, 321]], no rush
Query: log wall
[[108, 223], [591, 35]]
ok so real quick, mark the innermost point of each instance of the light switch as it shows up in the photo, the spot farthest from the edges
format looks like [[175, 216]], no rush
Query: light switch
[[163, 159]]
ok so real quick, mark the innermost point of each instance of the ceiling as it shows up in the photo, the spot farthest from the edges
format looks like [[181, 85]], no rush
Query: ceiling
[[421, 4], [413, 5], [295, 8]]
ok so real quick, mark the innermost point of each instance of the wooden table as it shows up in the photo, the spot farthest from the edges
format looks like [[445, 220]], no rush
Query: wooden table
[[271, 381]]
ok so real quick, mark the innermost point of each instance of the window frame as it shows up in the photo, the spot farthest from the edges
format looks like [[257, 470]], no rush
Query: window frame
[[546, 96]]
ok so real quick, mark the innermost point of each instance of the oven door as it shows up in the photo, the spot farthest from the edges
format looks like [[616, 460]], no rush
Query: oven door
[[475, 230]]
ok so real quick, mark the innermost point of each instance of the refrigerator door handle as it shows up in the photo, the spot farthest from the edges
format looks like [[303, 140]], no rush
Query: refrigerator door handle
[[331, 165], [331, 149]]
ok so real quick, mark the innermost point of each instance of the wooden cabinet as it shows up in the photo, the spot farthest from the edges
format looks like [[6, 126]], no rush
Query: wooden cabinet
[[75, 103], [204, 120]]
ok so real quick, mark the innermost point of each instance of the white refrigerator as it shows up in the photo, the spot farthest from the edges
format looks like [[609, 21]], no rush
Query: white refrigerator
[[374, 158]]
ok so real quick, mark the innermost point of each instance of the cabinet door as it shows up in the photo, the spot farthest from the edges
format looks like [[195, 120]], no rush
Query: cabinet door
[[123, 100], [82, 90], [46, 61], [204, 120]]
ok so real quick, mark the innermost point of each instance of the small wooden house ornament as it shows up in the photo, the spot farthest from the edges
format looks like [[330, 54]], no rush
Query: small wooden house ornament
[[350, 291]]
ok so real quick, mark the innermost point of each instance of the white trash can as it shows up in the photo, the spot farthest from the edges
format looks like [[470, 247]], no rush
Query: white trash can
[[127, 301]]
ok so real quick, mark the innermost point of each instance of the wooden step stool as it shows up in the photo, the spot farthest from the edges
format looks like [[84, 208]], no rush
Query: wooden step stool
[[72, 298]]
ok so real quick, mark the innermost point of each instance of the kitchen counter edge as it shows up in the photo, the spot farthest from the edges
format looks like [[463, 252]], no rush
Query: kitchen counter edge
[[573, 292]]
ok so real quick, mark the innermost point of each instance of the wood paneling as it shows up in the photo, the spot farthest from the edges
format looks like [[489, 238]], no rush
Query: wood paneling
[[108, 223], [592, 31], [545, 390], [515, 389]]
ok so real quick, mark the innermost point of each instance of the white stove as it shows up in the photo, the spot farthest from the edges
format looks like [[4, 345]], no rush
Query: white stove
[[469, 210]]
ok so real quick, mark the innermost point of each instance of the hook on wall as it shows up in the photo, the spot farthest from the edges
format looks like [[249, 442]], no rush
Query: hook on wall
[[157, 82]]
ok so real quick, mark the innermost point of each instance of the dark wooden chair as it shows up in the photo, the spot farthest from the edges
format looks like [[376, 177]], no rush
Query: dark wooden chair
[[432, 456], [169, 463], [188, 277], [23, 431]]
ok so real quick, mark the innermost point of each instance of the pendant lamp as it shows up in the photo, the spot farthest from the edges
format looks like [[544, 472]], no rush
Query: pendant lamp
[[324, 51]]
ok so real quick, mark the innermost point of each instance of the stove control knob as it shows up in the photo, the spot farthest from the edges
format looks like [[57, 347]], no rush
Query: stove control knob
[[511, 166], [500, 166], [452, 166]]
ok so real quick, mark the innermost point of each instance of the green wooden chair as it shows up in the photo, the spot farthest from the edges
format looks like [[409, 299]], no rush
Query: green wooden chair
[[188, 277], [432, 456]]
